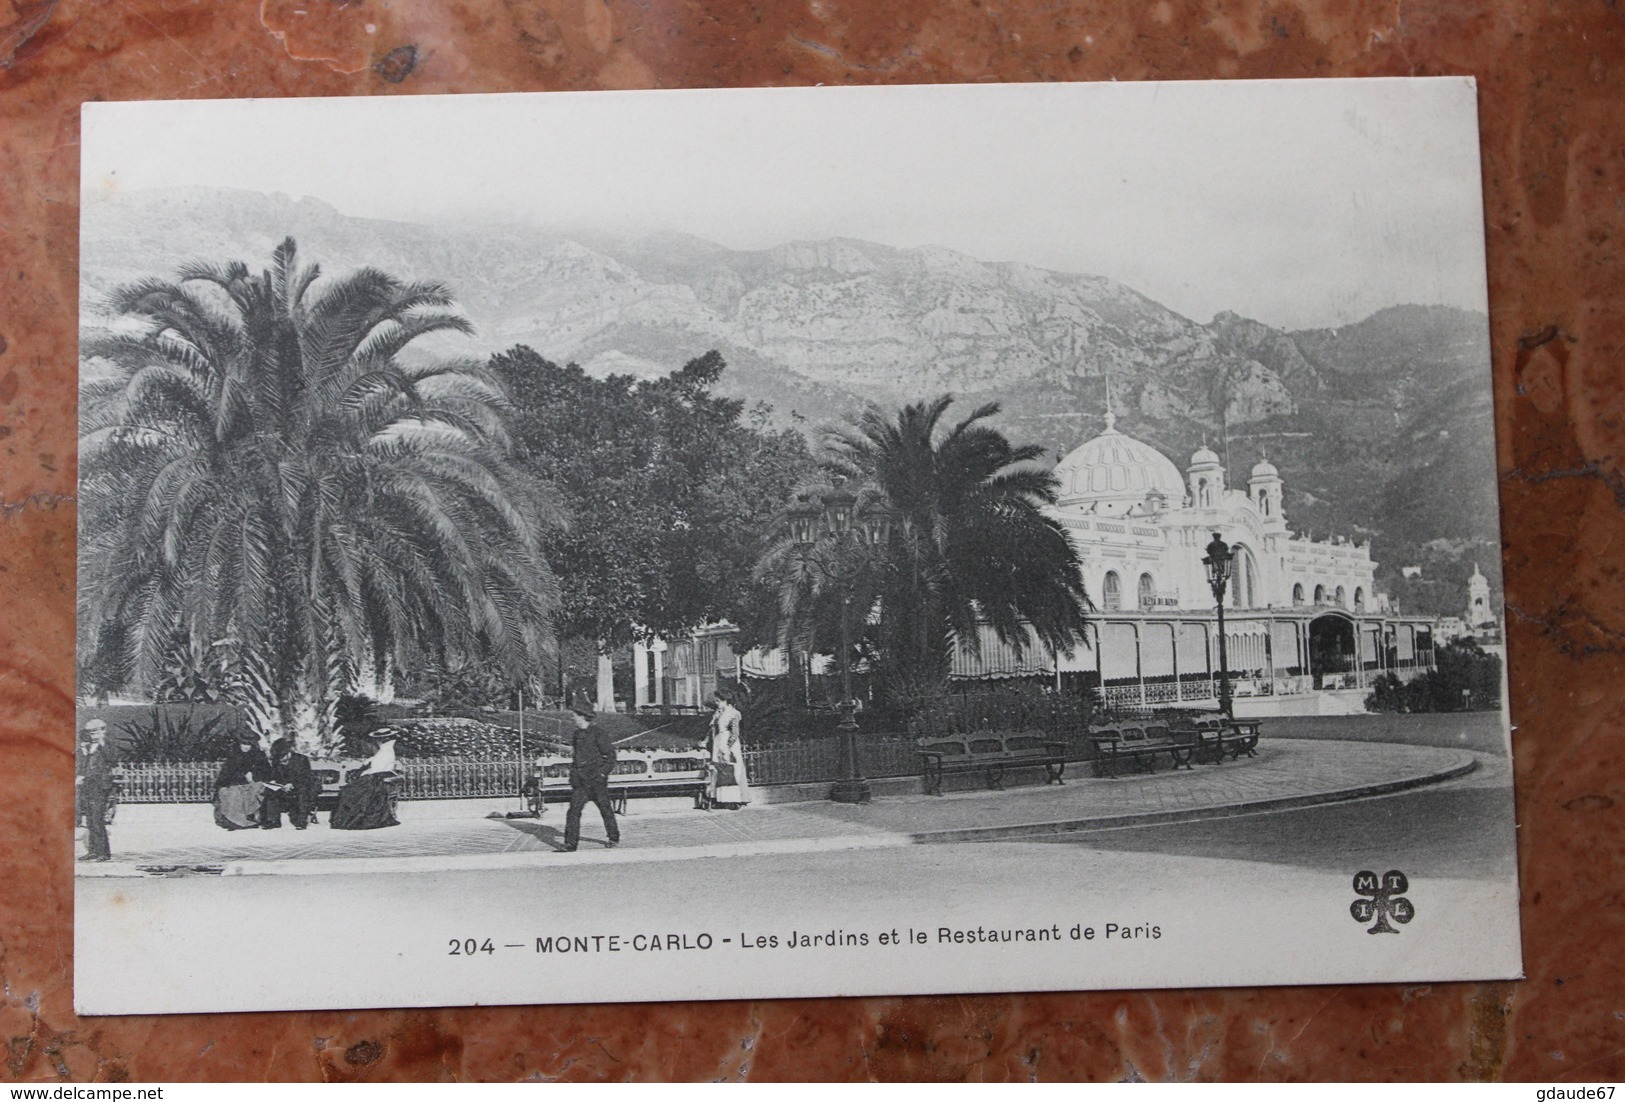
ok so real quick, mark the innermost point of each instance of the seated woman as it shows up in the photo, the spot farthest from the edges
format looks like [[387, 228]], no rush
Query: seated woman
[[239, 787], [364, 802]]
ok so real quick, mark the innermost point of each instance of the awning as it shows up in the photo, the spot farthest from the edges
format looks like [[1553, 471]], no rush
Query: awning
[[999, 659]]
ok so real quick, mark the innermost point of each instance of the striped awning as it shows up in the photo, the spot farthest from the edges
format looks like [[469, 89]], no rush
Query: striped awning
[[999, 659], [765, 663]]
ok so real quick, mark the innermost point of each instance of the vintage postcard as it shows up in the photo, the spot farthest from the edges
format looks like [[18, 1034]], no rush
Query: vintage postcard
[[788, 542]]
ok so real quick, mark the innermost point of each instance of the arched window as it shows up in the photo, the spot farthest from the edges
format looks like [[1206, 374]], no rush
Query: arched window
[[1359, 600], [1320, 594], [1264, 502], [1342, 601], [1148, 592], [1204, 497], [1111, 597], [1297, 594]]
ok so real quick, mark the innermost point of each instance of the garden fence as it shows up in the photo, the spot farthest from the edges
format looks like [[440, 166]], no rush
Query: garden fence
[[474, 778]]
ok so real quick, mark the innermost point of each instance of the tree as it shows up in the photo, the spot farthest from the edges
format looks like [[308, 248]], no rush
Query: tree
[[261, 472], [969, 545], [669, 487]]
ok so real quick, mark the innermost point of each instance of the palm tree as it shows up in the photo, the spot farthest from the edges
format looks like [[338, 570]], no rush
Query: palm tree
[[261, 473], [803, 588], [969, 543]]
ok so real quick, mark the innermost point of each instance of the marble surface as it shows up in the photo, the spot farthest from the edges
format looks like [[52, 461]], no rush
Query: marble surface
[[1552, 84]]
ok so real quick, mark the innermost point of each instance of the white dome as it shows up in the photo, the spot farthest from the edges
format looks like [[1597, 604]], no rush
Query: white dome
[[1114, 472], [1204, 457], [1265, 469]]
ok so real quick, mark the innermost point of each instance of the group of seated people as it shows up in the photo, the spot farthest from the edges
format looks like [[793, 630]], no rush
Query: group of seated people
[[253, 790]]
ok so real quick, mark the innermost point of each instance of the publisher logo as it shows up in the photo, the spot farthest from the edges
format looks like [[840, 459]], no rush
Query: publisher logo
[[1383, 899]]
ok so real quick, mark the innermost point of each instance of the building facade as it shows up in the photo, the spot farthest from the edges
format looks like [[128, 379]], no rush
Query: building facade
[[1303, 618], [1305, 628]]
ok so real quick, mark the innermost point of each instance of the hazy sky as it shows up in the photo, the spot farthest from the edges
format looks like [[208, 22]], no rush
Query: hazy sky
[[1300, 203]]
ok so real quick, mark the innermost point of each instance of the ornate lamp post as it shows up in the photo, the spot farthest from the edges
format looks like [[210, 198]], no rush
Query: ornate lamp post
[[1218, 562], [833, 517]]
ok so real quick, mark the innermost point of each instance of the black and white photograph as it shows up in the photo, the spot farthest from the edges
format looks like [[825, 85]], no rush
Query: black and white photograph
[[630, 546]]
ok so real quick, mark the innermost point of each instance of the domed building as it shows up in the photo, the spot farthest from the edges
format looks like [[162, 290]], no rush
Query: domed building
[[1114, 474], [1302, 619], [1305, 629]]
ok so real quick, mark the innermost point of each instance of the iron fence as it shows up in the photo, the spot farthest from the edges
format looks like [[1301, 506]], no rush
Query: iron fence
[[792, 762], [815, 760], [450, 778], [186, 782], [460, 778]]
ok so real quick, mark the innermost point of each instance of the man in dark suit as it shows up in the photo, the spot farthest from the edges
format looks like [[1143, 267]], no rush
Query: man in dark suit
[[293, 788], [592, 759], [94, 787]]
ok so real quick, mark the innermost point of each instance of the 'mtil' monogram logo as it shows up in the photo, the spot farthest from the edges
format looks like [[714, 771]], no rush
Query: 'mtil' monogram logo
[[1384, 900]]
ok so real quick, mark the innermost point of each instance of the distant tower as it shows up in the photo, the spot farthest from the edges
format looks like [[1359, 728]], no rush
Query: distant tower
[[1264, 490], [1479, 612], [1205, 476]]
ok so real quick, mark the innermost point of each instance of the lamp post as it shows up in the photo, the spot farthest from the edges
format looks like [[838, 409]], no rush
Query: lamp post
[[1218, 561], [833, 519]]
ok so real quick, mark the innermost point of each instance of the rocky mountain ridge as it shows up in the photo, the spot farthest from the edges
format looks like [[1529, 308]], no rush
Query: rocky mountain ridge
[[1382, 429]]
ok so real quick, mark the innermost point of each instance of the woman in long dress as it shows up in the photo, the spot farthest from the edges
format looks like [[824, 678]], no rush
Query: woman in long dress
[[239, 787], [727, 750], [364, 802]]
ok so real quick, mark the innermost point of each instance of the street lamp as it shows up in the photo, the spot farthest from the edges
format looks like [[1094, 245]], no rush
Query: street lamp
[[1218, 562], [834, 517]]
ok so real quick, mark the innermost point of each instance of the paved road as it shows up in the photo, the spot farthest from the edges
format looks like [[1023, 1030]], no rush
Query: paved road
[[1462, 828], [1452, 839]]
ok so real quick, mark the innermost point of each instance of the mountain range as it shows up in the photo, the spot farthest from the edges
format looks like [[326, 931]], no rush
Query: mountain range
[[1382, 429]]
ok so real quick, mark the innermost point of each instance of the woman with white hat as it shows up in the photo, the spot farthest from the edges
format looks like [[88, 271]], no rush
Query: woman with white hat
[[365, 802]]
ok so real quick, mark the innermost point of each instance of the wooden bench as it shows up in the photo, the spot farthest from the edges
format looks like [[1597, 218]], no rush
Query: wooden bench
[[331, 774], [1217, 737], [1141, 745], [1209, 740], [638, 774], [990, 754], [1235, 737]]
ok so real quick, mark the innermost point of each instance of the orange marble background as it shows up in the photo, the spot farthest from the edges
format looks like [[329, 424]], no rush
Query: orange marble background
[[1552, 86]]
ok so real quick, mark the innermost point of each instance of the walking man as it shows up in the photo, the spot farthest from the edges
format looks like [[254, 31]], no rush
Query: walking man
[[592, 759], [94, 787]]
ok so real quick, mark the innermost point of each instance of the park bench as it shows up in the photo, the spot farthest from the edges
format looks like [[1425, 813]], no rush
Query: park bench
[[1140, 746], [637, 774], [1236, 737], [331, 775], [1218, 737], [1210, 740], [990, 754]]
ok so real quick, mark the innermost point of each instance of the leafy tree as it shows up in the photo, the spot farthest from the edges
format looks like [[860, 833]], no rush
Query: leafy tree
[[261, 472], [669, 487], [969, 544]]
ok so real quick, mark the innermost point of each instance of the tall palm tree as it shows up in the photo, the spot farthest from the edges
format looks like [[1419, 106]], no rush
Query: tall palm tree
[[970, 543], [259, 467]]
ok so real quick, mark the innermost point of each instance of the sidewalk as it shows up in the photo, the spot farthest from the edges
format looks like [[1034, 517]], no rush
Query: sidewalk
[[181, 839]]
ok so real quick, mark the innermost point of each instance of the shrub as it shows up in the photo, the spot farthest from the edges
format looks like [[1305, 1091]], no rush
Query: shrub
[[1465, 677], [169, 732]]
